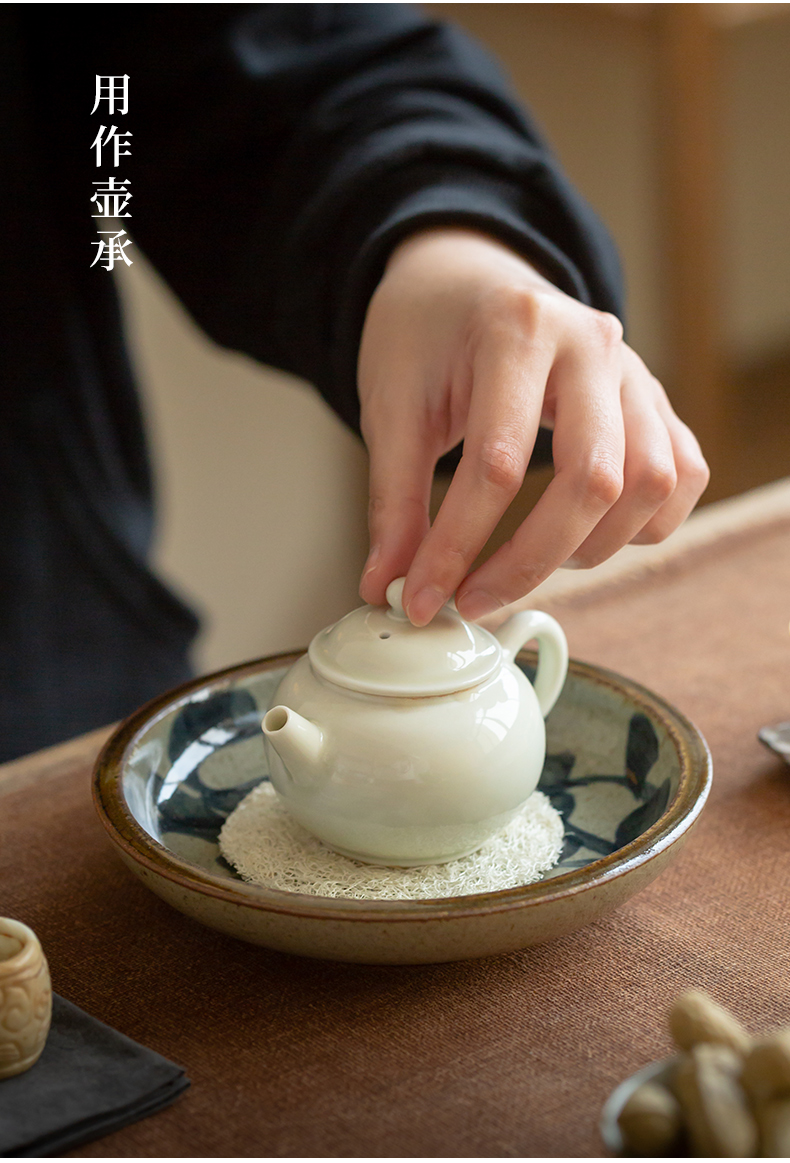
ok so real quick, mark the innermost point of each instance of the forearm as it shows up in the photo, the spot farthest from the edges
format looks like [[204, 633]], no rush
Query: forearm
[[281, 153]]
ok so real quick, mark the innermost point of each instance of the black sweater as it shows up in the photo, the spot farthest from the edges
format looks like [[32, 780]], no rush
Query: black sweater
[[278, 153]]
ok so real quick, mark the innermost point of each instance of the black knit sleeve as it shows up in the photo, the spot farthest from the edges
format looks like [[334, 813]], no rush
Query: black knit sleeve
[[281, 151]]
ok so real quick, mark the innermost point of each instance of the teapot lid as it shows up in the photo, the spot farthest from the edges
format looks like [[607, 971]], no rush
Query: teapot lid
[[376, 650]]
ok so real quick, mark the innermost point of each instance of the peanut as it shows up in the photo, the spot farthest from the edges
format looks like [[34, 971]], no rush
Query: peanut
[[714, 1106], [773, 1120], [766, 1070], [650, 1120], [695, 1018]]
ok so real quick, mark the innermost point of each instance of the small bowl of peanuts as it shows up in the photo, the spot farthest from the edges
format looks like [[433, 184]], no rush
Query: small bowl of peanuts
[[723, 1095]]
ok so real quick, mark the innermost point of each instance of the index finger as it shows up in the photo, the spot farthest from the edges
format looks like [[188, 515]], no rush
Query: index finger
[[504, 412], [589, 454]]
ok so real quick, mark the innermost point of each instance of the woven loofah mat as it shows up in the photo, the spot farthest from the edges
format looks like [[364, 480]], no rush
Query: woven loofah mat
[[268, 847]]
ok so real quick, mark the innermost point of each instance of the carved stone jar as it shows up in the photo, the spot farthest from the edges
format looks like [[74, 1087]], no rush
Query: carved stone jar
[[25, 998]]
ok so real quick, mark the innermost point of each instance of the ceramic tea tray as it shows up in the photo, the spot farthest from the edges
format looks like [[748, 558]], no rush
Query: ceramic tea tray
[[628, 773]]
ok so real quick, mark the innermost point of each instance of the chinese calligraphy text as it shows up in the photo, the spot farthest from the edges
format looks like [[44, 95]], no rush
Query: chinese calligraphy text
[[112, 195]]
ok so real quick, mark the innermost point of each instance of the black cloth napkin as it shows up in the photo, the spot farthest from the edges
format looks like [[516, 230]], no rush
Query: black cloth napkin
[[90, 1080]]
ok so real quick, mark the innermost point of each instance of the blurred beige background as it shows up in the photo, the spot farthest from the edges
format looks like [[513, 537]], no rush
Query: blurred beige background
[[678, 134], [262, 491]]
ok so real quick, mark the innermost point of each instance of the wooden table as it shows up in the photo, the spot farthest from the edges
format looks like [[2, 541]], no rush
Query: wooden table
[[509, 1056]]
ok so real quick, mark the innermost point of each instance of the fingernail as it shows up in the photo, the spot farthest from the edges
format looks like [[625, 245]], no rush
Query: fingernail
[[425, 603], [372, 561], [572, 563], [476, 604]]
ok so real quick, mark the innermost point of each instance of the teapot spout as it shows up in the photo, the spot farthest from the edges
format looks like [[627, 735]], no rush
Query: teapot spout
[[298, 742]]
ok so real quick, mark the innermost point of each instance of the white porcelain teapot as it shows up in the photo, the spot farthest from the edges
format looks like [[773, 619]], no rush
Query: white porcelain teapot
[[404, 745]]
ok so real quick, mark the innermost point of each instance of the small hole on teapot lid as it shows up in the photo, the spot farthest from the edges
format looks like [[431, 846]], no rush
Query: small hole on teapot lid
[[384, 635]]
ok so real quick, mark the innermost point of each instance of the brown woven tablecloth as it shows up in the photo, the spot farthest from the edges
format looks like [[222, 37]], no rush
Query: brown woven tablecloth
[[508, 1056]]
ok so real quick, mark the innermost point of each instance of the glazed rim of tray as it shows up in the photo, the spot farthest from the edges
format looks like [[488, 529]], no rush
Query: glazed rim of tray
[[681, 813]]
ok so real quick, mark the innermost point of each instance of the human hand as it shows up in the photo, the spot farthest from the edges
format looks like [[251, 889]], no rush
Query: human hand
[[463, 339]]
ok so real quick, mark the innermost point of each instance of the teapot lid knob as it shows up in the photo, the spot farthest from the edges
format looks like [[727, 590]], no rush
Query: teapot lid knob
[[394, 597]]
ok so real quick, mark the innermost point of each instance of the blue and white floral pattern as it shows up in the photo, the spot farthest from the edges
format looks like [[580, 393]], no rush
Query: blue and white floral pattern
[[610, 770]]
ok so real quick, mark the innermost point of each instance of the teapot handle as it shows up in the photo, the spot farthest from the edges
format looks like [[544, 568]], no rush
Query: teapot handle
[[552, 651]]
